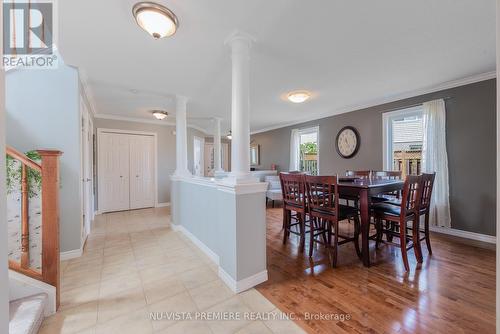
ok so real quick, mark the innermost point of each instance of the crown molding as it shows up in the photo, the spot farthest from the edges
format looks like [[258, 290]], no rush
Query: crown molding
[[393, 98], [87, 90], [147, 121]]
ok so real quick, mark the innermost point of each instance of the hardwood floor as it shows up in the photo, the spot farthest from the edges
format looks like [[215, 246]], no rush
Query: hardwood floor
[[452, 292]]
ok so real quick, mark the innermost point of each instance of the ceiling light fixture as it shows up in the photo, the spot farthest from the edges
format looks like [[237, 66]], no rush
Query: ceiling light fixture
[[159, 114], [230, 135], [155, 19], [298, 96]]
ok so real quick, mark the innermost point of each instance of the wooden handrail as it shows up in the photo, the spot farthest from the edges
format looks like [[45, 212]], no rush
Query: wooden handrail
[[49, 169], [50, 218], [23, 158]]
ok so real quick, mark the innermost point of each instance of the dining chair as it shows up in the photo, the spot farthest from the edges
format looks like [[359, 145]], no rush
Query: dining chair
[[404, 217], [294, 202], [325, 213], [425, 205]]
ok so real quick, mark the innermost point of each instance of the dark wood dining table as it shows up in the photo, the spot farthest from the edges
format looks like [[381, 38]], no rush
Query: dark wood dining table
[[364, 189]]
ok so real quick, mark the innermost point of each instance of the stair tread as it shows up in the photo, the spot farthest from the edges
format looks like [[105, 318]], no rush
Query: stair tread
[[26, 314]]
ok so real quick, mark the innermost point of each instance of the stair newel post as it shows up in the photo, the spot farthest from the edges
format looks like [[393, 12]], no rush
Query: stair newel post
[[25, 233], [50, 218]]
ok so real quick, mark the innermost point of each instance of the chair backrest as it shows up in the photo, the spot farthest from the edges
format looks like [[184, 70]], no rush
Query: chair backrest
[[412, 190], [293, 189], [387, 175], [427, 186], [364, 174], [322, 193]]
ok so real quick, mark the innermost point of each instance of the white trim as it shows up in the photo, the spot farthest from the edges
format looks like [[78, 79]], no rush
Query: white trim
[[87, 91], [235, 286], [376, 102], [464, 234], [242, 188], [72, 254], [244, 284], [142, 133], [162, 205], [147, 121], [208, 252]]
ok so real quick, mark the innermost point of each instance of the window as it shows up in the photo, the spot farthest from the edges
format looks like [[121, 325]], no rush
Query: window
[[304, 150], [403, 134]]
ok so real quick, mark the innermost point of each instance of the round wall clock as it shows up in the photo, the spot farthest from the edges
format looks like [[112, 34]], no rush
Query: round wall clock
[[347, 142]]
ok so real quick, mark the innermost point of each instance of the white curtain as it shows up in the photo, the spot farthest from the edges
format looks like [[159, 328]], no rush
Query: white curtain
[[295, 150], [435, 159]]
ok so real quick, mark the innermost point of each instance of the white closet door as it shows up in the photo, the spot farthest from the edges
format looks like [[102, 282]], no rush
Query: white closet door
[[142, 160], [114, 172]]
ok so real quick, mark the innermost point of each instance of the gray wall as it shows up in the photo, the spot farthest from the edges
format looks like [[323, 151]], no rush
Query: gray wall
[[166, 149], [43, 112], [471, 137]]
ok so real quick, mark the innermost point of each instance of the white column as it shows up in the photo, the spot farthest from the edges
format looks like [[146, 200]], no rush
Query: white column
[[240, 44], [181, 137], [217, 146]]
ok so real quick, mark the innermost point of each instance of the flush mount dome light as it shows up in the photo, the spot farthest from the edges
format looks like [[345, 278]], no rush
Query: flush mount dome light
[[298, 96], [159, 114], [155, 19]]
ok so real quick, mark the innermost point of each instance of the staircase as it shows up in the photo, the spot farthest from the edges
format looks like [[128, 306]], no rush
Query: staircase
[[33, 264]]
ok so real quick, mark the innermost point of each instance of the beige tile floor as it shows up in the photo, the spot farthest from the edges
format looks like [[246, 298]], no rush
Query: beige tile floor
[[135, 264]]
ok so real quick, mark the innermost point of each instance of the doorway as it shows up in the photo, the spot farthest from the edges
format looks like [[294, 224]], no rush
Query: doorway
[[87, 158], [198, 160], [127, 173]]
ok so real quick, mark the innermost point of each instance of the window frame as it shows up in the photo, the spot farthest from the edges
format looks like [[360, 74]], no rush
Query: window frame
[[311, 129], [387, 119]]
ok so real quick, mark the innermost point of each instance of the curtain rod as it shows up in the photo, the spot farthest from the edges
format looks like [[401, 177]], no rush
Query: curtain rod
[[414, 105]]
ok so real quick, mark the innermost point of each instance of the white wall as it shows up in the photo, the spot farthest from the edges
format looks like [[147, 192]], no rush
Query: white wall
[[43, 112], [4, 278]]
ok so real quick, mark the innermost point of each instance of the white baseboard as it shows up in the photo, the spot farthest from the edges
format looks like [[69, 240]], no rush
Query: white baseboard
[[235, 286], [208, 252], [162, 205], [244, 284], [464, 234], [71, 254]]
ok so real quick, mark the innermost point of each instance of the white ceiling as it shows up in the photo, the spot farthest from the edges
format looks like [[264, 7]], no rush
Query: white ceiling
[[348, 53]]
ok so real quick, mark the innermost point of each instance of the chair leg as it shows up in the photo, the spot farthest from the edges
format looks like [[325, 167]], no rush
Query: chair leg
[[335, 243], [416, 241], [273, 204], [391, 227], [378, 227], [302, 224], [286, 225], [312, 228], [402, 240], [427, 234], [357, 229]]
